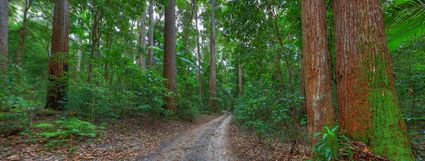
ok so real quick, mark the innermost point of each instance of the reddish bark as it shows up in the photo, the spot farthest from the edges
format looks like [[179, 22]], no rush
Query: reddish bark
[[316, 64], [58, 61], [368, 106], [212, 79], [170, 54]]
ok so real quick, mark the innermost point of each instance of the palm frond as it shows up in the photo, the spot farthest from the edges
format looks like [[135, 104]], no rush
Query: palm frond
[[405, 21]]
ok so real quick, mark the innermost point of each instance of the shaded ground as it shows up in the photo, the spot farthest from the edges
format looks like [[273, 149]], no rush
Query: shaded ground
[[249, 148], [205, 143], [123, 139]]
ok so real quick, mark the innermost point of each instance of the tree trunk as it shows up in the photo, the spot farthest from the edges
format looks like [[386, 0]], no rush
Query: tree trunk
[[23, 32], [368, 105], [170, 54], [4, 5], [316, 64], [58, 61], [198, 54], [150, 35], [94, 42], [142, 41], [212, 79], [240, 79], [279, 56]]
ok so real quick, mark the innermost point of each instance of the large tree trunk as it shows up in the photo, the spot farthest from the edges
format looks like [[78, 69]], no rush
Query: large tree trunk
[[23, 33], [3, 35], [198, 54], [142, 41], [240, 79], [58, 61], [150, 35], [316, 66], [212, 80], [368, 106], [170, 54]]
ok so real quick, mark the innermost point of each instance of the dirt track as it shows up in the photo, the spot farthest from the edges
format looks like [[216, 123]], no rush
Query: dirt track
[[205, 143]]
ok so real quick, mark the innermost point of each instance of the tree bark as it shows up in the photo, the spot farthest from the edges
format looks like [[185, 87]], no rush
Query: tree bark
[[198, 54], [58, 61], [170, 54], [23, 32], [142, 41], [368, 105], [94, 42], [4, 5], [316, 66], [150, 35], [212, 79], [240, 79]]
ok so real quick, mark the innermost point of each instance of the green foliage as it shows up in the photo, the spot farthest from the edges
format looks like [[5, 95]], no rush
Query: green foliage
[[405, 21], [61, 131], [268, 113], [331, 145]]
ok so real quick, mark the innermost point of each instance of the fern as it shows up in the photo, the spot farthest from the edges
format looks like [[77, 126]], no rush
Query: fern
[[405, 21]]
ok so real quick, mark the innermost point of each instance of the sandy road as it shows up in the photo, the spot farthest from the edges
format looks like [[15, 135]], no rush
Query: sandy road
[[205, 143]]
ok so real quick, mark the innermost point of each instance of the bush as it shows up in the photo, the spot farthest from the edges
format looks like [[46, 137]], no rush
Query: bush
[[134, 95], [60, 131], [269, 113]]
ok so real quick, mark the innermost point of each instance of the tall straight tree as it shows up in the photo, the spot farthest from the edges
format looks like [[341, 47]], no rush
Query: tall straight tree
[[58, 62], [3, 35], [150, 35], [368, 105], [316, 65], [240, 79], [23, 32], [142, 41], [170, 54], [212, 79], [198, 52]]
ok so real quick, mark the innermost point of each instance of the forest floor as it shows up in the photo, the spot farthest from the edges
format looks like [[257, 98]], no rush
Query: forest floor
[[210, 137], [127, 139], [247, 146]]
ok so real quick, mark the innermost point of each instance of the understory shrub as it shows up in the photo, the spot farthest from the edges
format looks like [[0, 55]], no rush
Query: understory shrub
[[269, 113], [63, 130], [137, 94], [331, 145]]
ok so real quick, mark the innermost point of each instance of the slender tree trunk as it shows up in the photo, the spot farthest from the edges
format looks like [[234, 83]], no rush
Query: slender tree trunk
[[3, 35], [150, 35], [79, 53], [170, 54], [108, 45], [240, 79], [302, 86], [142, 41], [316, 66], [58, 61], [212, 80], [288, 66], [198, 54], [94, 42], [368, 105], [23, 32]]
